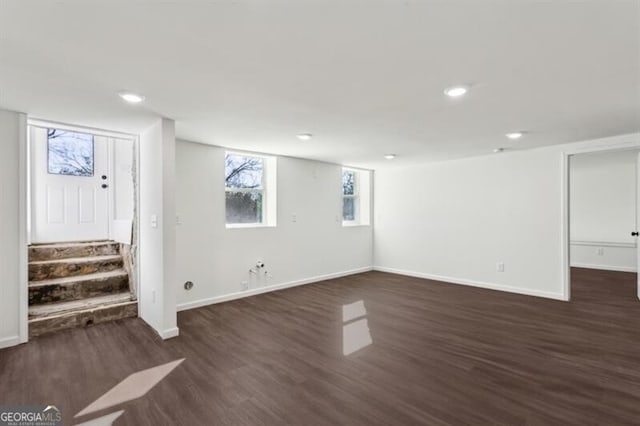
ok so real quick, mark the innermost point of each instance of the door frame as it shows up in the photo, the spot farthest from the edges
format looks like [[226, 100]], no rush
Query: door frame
[[81, 129], [25, 201], [42, 232], [615, 143]]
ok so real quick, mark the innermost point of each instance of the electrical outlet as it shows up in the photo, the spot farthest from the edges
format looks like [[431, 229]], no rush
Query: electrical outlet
[[294, 217], [245, 285], [600, 251], [500, 266]]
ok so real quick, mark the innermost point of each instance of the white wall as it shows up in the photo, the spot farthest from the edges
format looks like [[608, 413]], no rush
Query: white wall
[[603, 210], [598, 255], [455, 221], [217, 259], [13, 127], [158, 228]]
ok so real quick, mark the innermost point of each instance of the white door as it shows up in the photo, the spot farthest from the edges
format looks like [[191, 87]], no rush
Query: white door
[[69, 186]]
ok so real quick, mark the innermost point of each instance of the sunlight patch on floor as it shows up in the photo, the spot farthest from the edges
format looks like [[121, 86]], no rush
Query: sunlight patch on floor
[[133, 387], [355, 330], [104, 420]]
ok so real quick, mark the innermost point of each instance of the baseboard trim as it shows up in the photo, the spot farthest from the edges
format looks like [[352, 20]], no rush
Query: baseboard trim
[[604, 244], [7, 342], [170, 333], [604, 267], [473, 283], [242, 294]]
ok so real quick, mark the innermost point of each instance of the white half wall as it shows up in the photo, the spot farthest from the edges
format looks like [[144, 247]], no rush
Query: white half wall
[[217, 259], [603, 210], [157, 259], [13, 246], [458, 221]]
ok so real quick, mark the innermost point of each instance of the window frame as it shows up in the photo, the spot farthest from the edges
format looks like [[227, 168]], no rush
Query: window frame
[[355, 197], [264, 191]]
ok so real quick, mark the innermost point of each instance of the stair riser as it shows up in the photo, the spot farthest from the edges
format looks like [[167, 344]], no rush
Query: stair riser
[[78, 290], [47, 271], [51, 253], [42, 326]]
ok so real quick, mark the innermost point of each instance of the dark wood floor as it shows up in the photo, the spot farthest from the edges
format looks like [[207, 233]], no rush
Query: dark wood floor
[[440, 354]]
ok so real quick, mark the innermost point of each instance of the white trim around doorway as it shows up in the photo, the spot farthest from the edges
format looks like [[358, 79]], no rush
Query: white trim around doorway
[[25, 207], [37, 122], [24, 225], [615, 143]]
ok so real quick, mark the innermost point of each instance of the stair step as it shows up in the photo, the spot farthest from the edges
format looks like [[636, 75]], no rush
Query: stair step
[[61, 268], [53, 317], [78, 287], [49, 309], [40, 252]]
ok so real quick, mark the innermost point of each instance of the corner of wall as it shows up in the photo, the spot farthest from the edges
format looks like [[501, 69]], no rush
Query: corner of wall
[[13, 229], [23, 209], [157, 242]]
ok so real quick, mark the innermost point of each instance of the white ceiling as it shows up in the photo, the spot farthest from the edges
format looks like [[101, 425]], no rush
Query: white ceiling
[[365, 77]]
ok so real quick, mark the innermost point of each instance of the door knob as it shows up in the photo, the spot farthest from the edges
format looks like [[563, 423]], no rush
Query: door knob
[[104, 185], [635, 234], [104, 177]]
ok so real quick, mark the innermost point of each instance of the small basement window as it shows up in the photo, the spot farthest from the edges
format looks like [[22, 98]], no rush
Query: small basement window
[[356, 198], [249, 190], [350, 199]]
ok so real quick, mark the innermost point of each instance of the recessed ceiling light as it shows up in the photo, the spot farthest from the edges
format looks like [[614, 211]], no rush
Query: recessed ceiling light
[[304, 136], [515, 135], [390, 156], [498, 150], [456, 91], [131, 97]]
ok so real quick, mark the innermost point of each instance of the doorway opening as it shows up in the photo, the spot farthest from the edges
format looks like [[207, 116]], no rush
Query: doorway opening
[[603, 224], [82, 232]]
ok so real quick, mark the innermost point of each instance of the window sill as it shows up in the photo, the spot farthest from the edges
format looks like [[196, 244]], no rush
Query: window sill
[[247, 225], [353, 224]]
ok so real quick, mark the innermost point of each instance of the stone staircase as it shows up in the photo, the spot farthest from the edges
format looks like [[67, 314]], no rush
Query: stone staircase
[[77, 284]]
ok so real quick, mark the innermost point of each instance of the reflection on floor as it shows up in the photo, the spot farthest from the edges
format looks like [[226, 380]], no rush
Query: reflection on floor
[[441, 354], [353, 311], [107, 420], [355, 334], [133, 387]]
